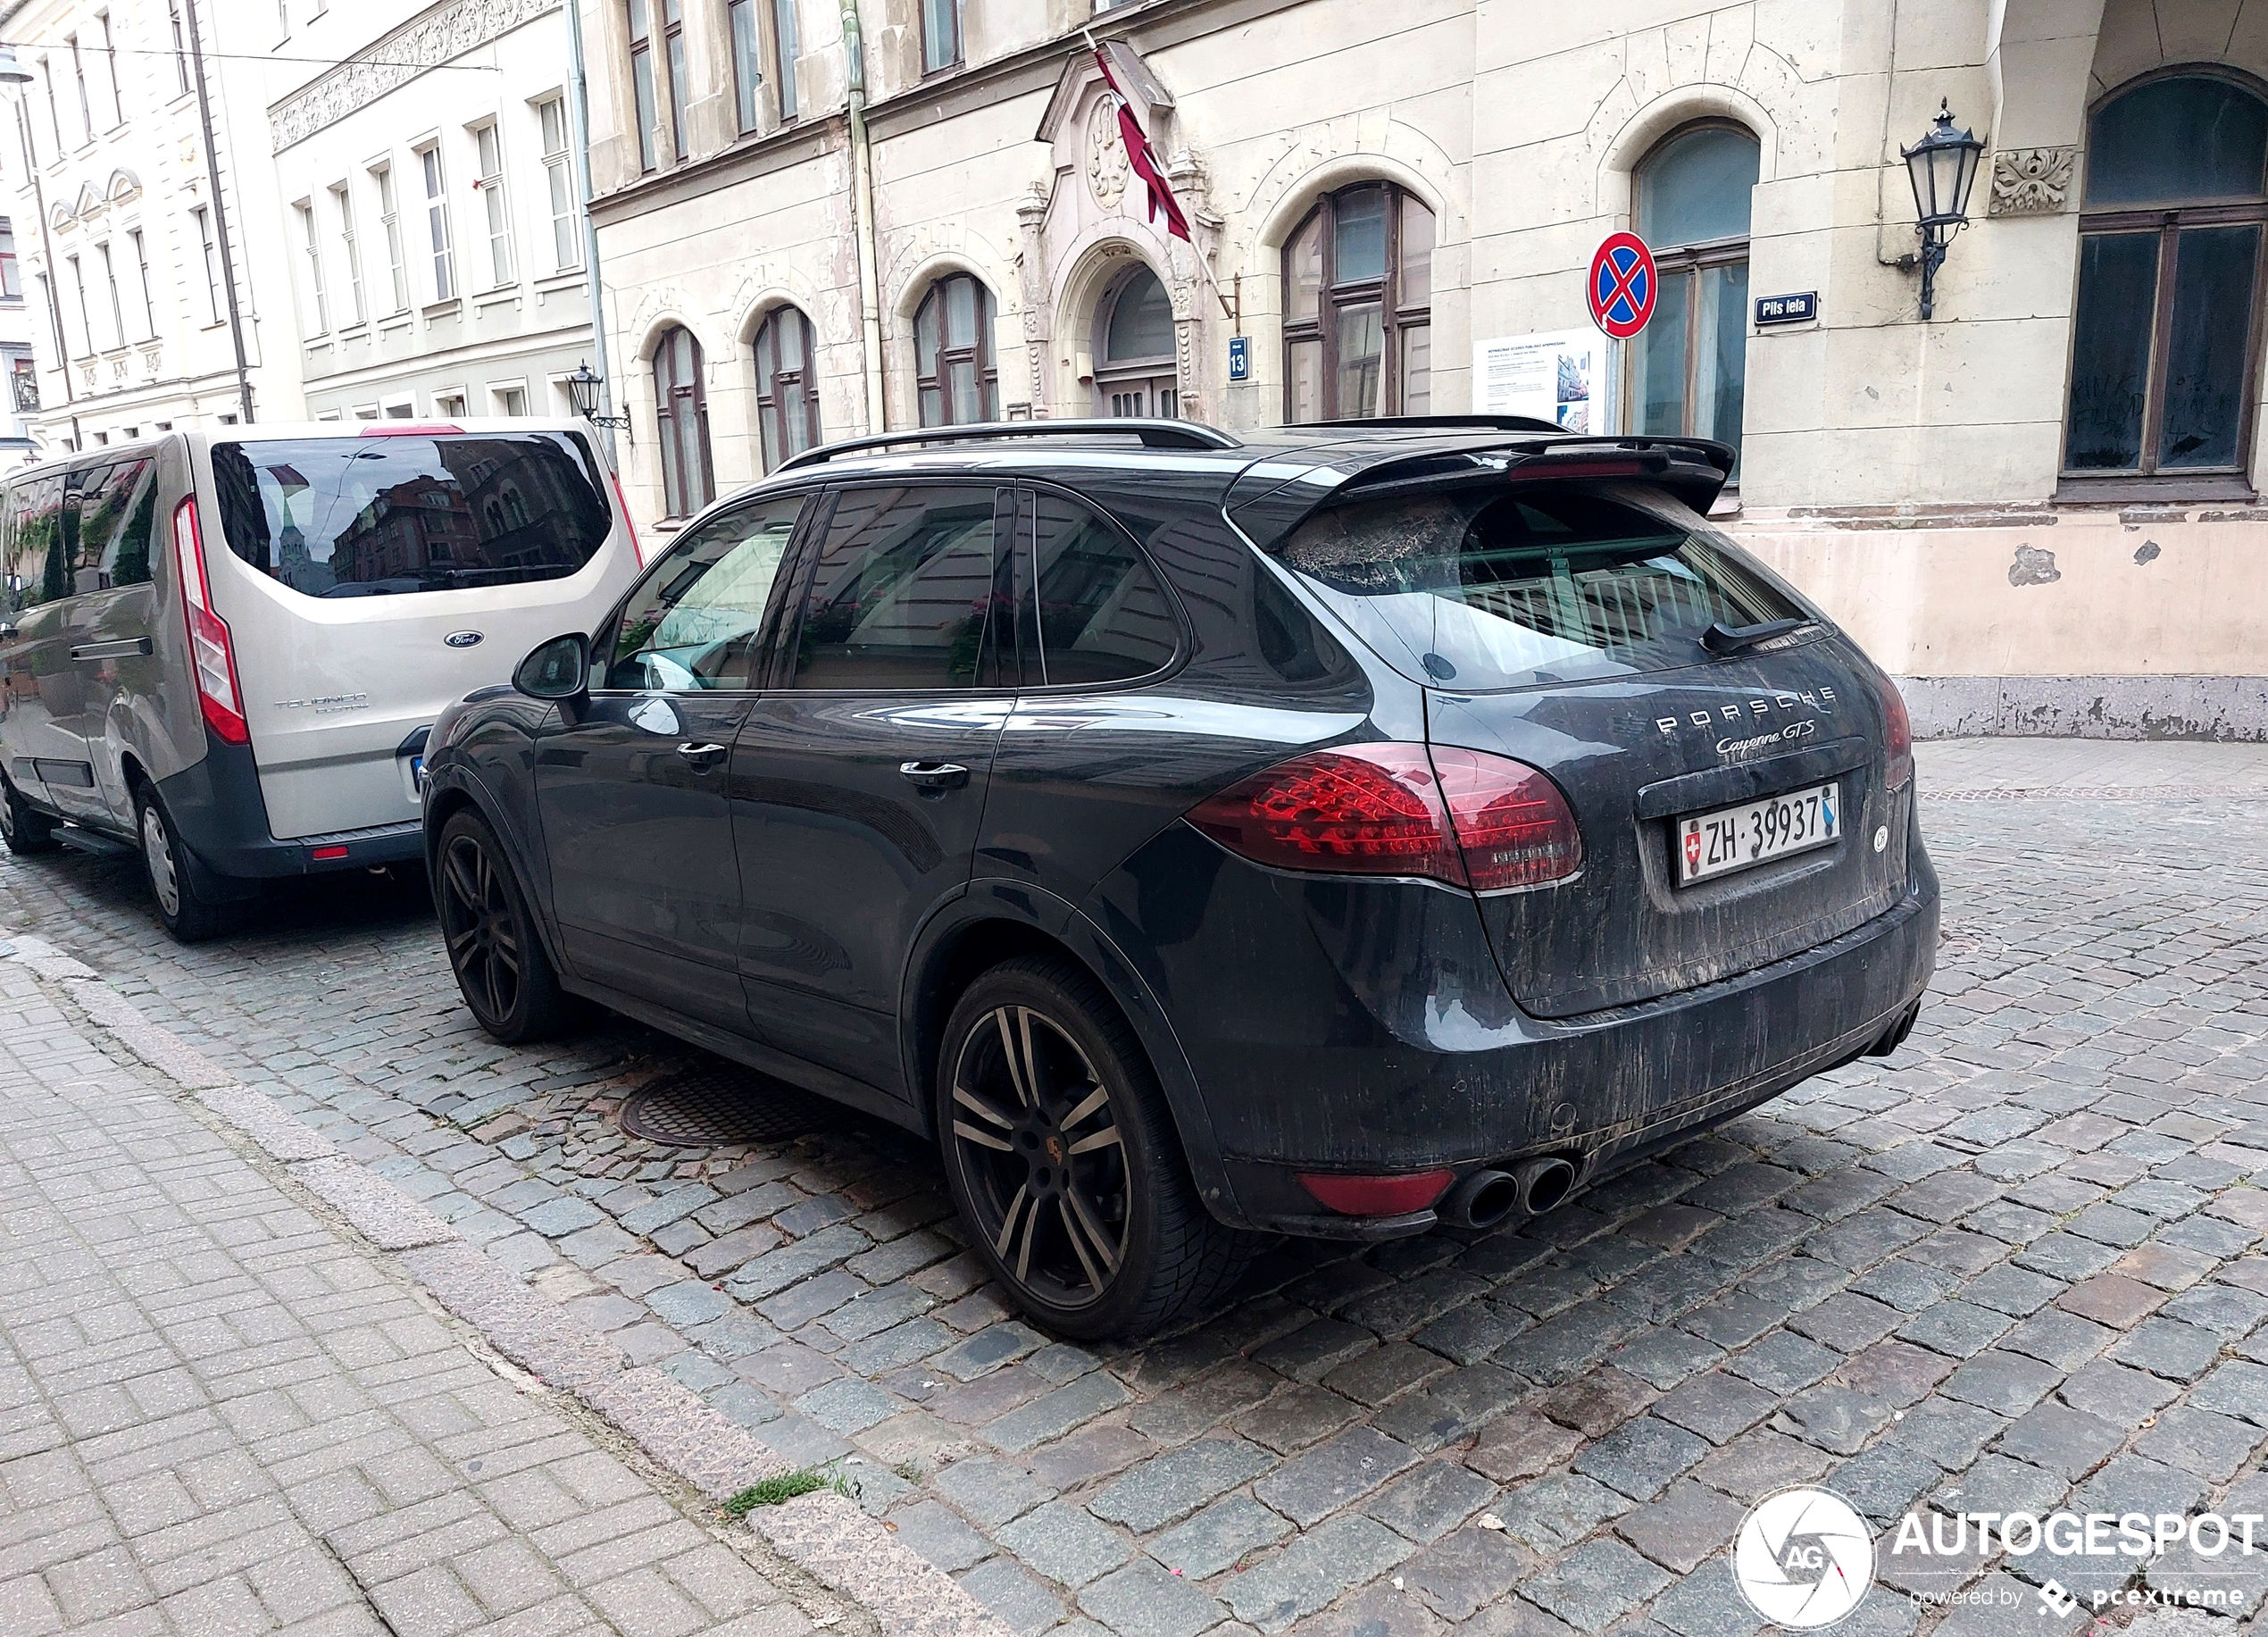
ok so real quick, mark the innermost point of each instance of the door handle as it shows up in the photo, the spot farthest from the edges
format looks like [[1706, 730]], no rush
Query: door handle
[[701, 754], [934, 775], [120, 648]]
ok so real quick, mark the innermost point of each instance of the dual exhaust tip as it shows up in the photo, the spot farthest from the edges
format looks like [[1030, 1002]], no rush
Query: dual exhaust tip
[[1529, 1188]]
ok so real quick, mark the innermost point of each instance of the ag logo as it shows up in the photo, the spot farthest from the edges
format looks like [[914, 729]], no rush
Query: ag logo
[[1803, 1558]]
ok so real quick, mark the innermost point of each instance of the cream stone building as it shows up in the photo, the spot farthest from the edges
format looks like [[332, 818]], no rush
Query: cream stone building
[[2039, 506], [128, 255]]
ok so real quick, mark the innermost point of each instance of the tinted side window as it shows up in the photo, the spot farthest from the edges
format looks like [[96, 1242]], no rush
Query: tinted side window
[[38, 572], [901, 597], [117, 513], [1103, 616], [698, 621]]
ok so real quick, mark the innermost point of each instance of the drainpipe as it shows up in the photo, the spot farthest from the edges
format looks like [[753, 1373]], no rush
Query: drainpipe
[[582, 96], [219, 212], [53, 272], [862, 159]]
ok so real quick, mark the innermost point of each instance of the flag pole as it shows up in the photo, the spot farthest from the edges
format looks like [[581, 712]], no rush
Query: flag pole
[[1196, 255]]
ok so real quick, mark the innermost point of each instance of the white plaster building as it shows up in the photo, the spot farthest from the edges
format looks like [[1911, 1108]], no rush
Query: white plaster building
[[118, 231], [429, 191], [2040, 504]]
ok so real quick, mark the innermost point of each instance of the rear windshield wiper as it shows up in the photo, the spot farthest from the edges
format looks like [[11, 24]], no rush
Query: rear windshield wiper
[[1722, 639]]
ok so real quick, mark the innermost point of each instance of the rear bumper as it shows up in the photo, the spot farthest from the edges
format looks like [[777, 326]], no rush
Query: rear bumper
[[218, 812], [1378, 1039]]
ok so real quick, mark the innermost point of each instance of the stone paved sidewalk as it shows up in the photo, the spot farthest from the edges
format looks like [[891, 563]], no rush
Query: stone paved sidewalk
[[218, 1414], [2014, 1266]]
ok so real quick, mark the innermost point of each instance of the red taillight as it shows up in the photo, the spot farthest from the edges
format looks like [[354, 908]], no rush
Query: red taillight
[[1377, 1195], [212, 657], [1461, 816], [326, 854], [637, 550], [1511, 824], [1897, 731]]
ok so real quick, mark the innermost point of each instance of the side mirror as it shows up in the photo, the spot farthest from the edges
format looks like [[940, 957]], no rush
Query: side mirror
[[559, 669]]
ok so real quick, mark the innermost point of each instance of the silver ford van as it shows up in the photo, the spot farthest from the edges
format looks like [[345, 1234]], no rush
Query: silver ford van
[[224, 647]]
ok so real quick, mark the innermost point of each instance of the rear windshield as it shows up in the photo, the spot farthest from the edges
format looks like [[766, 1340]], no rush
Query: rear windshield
[[388, 516], [1486, 589]]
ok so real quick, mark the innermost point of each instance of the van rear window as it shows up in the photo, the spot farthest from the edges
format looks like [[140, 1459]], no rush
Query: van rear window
[[388, 516], [1494, 588]]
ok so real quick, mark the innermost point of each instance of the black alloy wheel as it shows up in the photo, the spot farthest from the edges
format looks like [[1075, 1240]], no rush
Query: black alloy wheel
[[25, 829], [501, 968], [1064, 1163]]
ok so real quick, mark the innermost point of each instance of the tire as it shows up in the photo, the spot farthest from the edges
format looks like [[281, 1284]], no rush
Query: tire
[[502, 971], [25, 829], [187, 915], [1078, 1196]]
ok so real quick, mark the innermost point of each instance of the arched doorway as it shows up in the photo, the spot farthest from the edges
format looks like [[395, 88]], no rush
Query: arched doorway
[[1134, 368]]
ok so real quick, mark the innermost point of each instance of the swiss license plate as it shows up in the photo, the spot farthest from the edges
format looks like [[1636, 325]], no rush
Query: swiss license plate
[[1737, 837]]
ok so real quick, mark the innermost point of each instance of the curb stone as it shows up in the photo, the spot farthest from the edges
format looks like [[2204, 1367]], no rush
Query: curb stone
[[825, 1534]]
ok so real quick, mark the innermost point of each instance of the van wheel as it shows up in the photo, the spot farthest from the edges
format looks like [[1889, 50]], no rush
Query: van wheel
[[1063, 1161], [24, 827], [502, 971], [190, 917]]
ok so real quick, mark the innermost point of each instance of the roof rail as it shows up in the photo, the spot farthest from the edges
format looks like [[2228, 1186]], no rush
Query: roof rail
[[1449, 423], [1152, 434]]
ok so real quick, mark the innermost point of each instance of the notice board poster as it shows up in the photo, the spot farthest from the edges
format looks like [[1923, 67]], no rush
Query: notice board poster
[[1560, 376]]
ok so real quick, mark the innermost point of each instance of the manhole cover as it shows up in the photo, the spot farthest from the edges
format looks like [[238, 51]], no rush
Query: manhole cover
[[721, 1104]]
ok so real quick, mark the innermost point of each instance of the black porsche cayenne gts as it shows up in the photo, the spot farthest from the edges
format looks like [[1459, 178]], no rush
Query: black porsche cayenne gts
[[1327, 830]]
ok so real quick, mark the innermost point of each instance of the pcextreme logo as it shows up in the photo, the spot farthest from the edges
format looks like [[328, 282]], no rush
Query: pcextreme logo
[[1803, 1558]]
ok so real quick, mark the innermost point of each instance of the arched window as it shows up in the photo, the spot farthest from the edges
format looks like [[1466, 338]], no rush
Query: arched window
[[1134, 368], [787, 386], [959, 382], [681, 409], [2163, 334], [1690, 363], [1358, 307]]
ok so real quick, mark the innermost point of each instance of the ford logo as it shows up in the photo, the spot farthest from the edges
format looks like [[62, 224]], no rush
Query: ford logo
[[463, 638]]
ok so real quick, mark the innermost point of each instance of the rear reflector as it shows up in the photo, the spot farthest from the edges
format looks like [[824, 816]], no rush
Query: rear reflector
[[408, 429], [324, 855], [1897, 732], [212, 658], [1453, 815], [1377, 1195]]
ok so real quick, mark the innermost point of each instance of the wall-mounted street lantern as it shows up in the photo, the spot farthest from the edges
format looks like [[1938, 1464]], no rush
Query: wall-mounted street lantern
[[583, 386], [11, 71], [1942, 167]]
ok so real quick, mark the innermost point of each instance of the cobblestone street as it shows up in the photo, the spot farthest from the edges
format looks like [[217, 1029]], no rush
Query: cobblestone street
[[2014, 1266]]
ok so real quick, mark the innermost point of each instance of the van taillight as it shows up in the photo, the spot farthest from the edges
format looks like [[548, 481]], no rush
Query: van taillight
[[1898, 733], [212, 658], [1454, 816], [637, 550]]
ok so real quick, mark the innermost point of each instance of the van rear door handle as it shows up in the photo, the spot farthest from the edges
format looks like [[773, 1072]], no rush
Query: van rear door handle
[[934, 775], [123, 648], [701, 754]]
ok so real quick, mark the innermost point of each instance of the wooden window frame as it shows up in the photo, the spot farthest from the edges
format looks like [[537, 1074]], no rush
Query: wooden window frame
[[960, 40], [979, 352], [771, 412], [1331, 297], [675, 73], [635, 13], [787, 47], [1686, 261], [673, 399]]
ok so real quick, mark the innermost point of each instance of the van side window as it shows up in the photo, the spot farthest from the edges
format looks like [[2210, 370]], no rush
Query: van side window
[[108, 522], [1103, 616], [36, 572]]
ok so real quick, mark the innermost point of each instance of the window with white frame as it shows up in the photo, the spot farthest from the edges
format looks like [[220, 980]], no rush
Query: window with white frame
[[180, 47], [11, 277], [54, 107], [437, 221], [342, 205], [510, 400], [318, 304], [116, 335], [212, 263], [142, 283], [78, 83], [559, 178], [489, 184], [79, 307], [390, 218], [110, 69]]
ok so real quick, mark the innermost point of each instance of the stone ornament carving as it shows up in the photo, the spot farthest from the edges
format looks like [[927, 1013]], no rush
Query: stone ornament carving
[[1107, 168], [2031, 182], [447, 31]]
